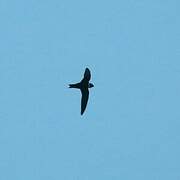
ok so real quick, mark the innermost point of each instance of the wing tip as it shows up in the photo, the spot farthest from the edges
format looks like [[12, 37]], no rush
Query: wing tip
[[82, 113], [87, 69]]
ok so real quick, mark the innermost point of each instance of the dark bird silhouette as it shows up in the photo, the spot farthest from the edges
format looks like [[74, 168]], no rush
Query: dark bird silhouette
[[83, 86]]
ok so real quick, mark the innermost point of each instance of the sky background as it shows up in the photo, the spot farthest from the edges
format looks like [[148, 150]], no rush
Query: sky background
[[130, 129]]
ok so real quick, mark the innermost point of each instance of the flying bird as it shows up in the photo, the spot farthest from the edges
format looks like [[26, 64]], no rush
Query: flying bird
[[84, 85]]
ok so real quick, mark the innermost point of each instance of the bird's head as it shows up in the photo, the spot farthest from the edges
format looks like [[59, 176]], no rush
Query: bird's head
[[90, 85]]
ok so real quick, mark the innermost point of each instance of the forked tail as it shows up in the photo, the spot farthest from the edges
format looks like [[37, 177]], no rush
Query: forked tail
[[74, 85]]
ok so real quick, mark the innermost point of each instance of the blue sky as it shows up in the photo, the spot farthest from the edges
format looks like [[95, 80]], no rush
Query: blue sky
[[130, 129]]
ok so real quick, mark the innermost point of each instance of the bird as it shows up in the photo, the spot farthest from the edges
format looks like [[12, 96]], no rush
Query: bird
[[84, 86]]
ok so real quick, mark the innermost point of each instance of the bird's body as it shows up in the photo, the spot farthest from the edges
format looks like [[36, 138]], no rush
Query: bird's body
[[84, 85]]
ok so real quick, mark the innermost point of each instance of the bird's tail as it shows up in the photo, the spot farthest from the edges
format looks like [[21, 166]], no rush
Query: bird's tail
[[74, 85]]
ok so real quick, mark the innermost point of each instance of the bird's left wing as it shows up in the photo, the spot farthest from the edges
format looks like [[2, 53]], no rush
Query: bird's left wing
[[84, 100]]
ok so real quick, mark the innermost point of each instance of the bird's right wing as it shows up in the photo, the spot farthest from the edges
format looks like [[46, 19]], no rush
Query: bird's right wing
[[87, 74], [84, 100]]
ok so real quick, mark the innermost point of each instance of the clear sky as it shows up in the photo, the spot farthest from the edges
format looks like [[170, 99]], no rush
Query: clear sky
[[131, 127]]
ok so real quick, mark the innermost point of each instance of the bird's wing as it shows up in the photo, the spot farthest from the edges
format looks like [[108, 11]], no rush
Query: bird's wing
[[84, 100], [87, 74]]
